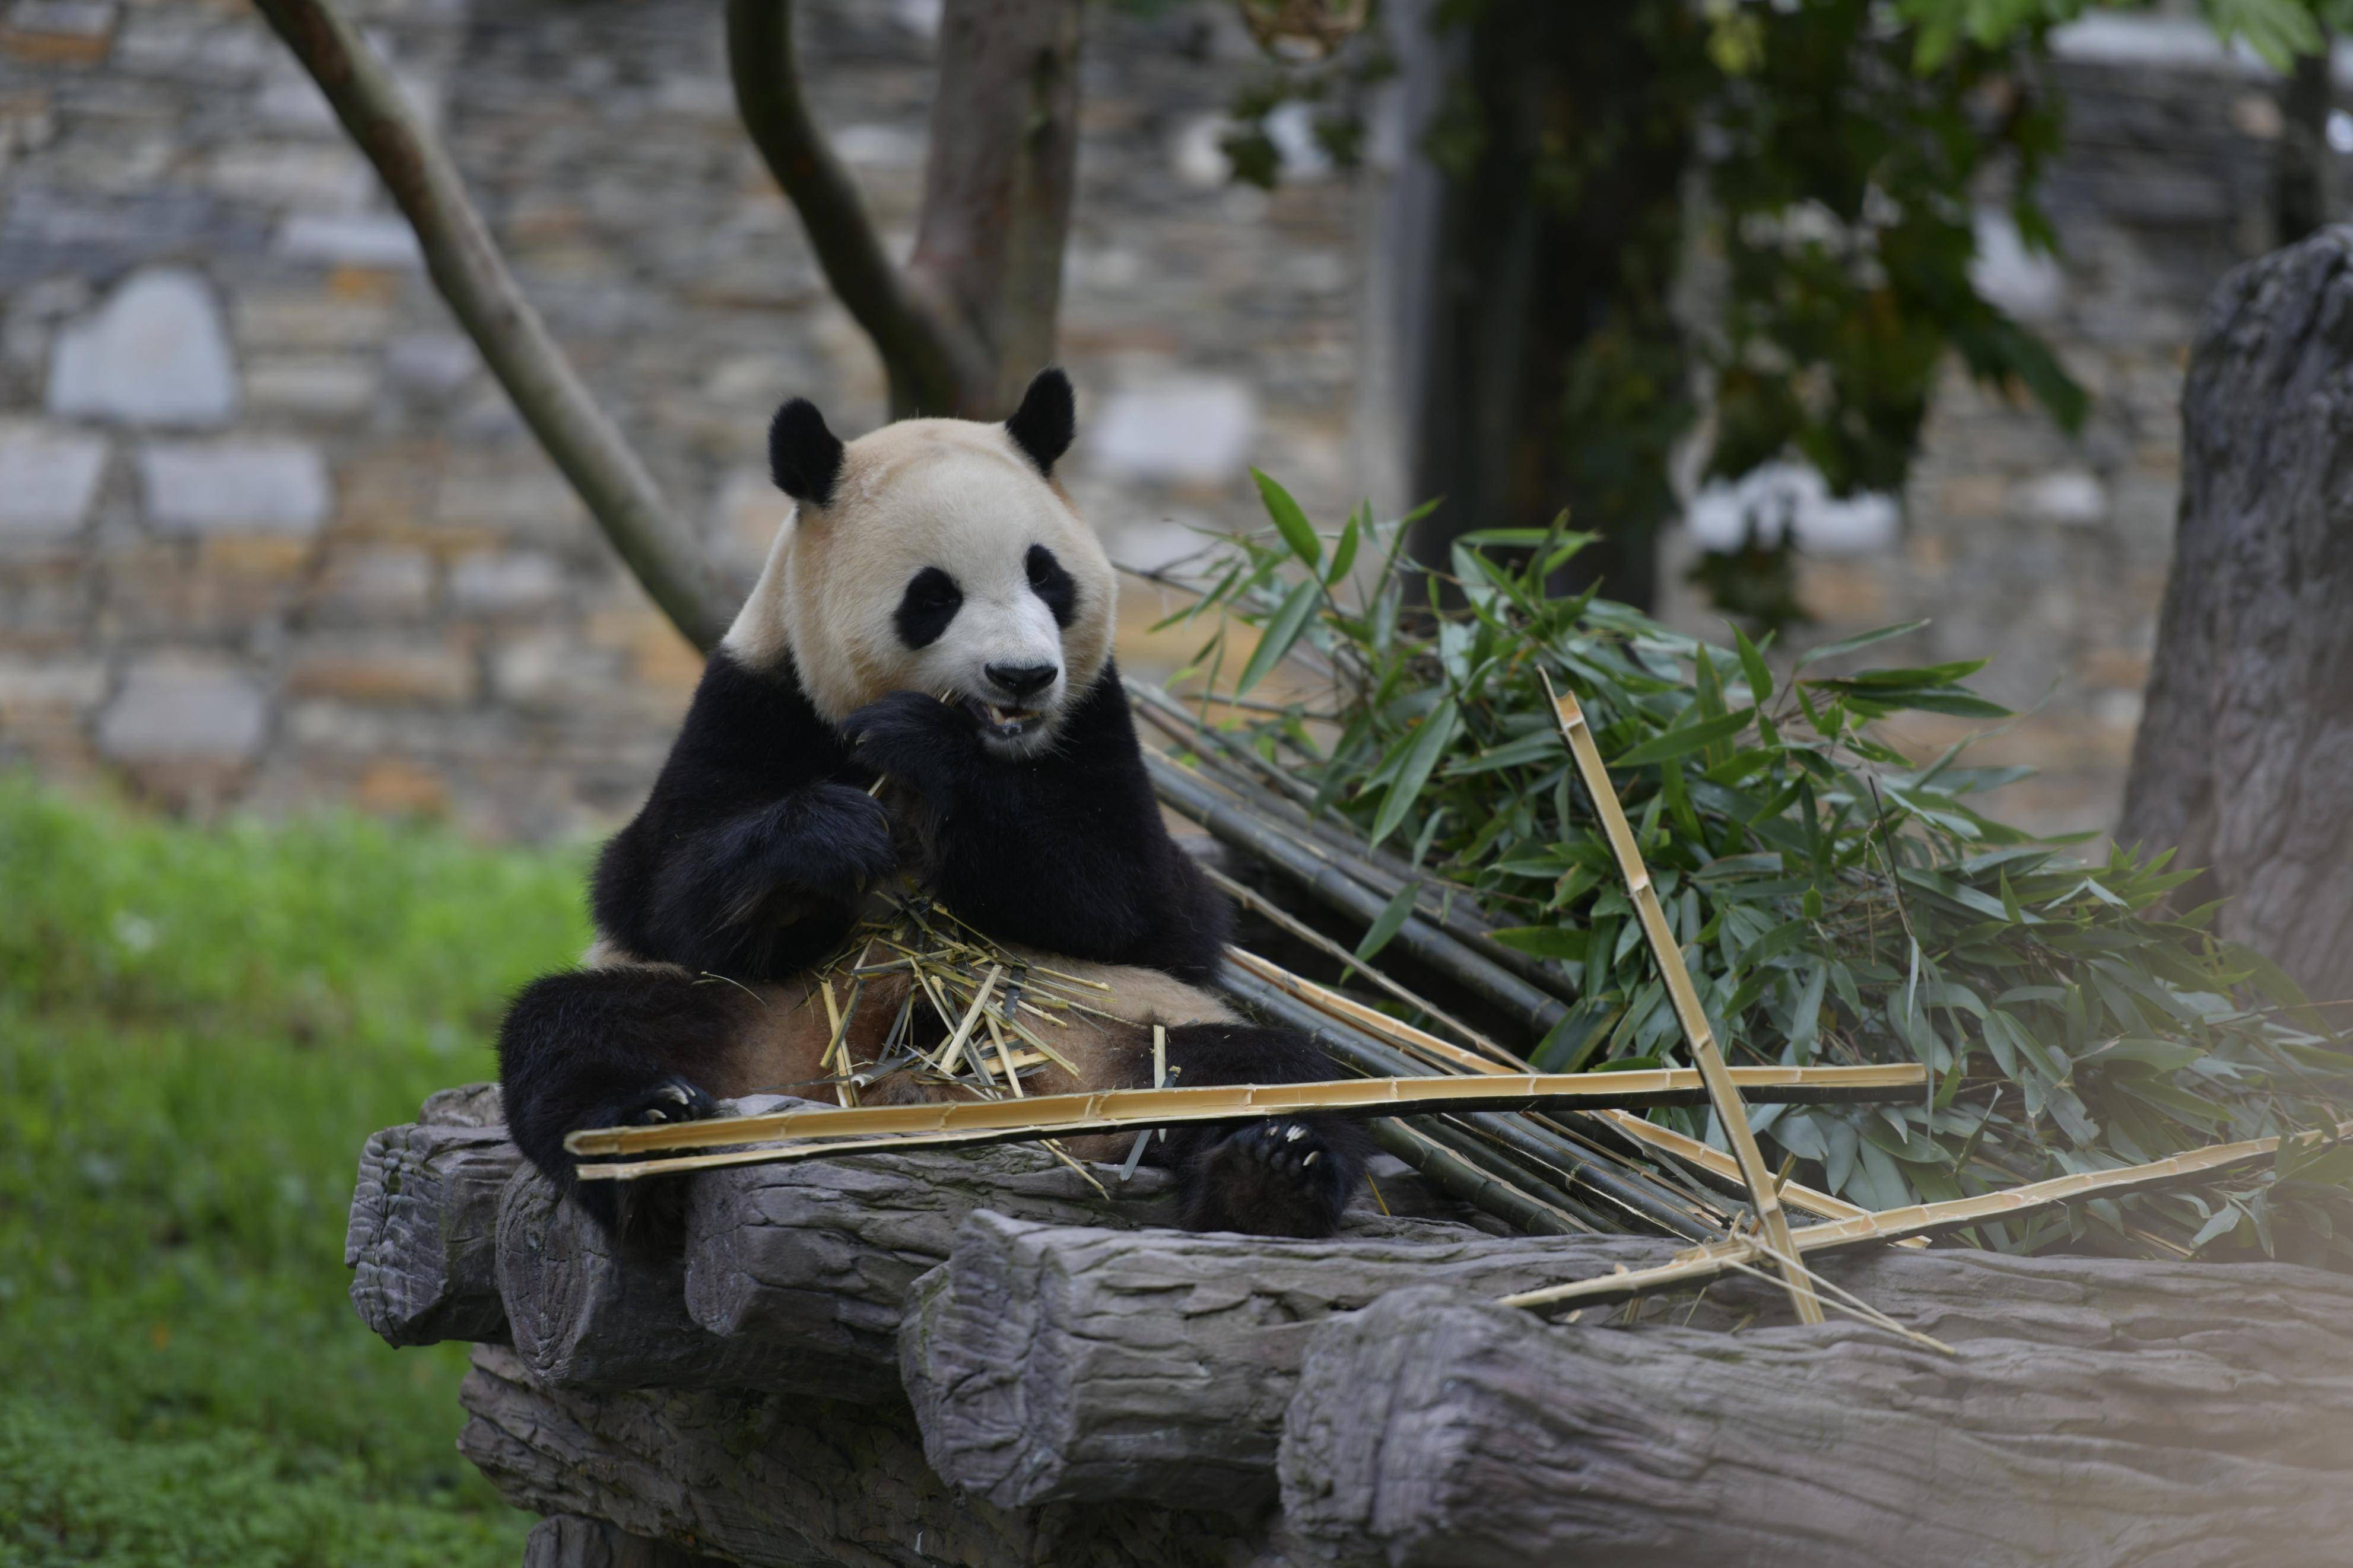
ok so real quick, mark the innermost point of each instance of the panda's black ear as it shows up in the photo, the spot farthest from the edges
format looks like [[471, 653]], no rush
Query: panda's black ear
[[804, 457], [1044, 424]]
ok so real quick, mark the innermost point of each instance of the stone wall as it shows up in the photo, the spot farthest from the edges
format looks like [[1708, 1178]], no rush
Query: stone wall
[[270, 536]]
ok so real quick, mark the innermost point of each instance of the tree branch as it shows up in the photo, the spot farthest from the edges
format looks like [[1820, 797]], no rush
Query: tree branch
[[466, 267], [931, 368]]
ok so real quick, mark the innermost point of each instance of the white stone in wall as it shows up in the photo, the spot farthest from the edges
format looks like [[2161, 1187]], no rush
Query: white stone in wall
[[245, 486], [2028, 284], [155, 354], [514, 580], [1192, 430], [431, 363], [47, 480], [340, 240], [177, 708], [2068, 496], [50, 682], [315, 175]]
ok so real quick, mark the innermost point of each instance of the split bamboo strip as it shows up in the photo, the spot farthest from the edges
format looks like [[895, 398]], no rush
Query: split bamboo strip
[[1919, 1220], [1405, 1035], [1715, 1161], [1724, 1094], [800, 1135]]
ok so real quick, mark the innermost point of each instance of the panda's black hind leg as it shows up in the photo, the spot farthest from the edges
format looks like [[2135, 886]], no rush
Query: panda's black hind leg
[[613, 1047], [1290, 1176]]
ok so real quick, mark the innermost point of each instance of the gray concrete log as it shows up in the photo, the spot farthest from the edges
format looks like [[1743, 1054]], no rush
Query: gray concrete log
[[1049, 1362], [1431, 1430], [789, 1481], [424, 1218], [569, 1540]]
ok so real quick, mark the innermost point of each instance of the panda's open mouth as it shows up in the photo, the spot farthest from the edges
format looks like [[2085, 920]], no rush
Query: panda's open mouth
[[1001, 723]]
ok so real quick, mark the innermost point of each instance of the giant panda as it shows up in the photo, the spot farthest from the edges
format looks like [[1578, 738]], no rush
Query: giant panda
[[920, 683]]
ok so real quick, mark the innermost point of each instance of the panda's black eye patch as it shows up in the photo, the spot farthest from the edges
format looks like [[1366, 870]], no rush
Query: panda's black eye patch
[[930, 603], [1053, 584]]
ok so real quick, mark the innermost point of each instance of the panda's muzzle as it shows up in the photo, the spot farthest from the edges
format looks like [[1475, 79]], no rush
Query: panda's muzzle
[[1021, 683]]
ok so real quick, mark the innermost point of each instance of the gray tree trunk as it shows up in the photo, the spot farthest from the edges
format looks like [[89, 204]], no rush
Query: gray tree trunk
[[1428, 1430], [2246, 749]]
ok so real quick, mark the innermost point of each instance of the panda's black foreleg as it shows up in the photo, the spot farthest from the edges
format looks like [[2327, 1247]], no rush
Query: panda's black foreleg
[[611, 1048], [1289, 1176]]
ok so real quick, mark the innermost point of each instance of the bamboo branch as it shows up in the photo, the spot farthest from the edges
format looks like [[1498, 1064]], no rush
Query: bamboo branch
[[466, 267], [930, 365], [1920, 1220], [1723, 1086]]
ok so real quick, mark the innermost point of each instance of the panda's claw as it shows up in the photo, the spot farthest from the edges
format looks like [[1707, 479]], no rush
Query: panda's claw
[[672, 1099]]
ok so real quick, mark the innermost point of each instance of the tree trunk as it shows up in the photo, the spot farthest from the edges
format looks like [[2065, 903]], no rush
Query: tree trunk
[[1051, 1362], [1428, 1430], [2301, 161], [1553, 373], [787, 1482], [569, 1540], [2246, 746]]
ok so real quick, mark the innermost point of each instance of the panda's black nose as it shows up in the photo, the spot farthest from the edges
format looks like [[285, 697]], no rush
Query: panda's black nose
[[1020, 680]]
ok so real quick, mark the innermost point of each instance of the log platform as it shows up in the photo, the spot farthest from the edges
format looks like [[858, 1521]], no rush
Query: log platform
[[979, 1358]]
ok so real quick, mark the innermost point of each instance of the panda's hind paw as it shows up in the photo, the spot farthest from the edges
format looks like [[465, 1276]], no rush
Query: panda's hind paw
[[1283, 1177], [674, 1099]]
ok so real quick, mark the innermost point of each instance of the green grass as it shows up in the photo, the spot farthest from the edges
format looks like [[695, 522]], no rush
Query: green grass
[[197, 1029]]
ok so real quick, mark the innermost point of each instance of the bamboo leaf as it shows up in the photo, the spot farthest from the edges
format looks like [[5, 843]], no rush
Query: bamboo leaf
[[1289, 520], [1428, 745], [1279, 635]]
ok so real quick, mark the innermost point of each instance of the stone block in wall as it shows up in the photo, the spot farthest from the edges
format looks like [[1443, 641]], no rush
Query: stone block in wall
[[1194, 430], [313, 386], [236, 585], [58, 32], [315, 177], [185, 707], [258, 485], [30, 685], [155, 354], [373, 584], [499, 582], [49, 477], [288, 319], [522, 499], [349, 239], [431, 363], [380, 669]]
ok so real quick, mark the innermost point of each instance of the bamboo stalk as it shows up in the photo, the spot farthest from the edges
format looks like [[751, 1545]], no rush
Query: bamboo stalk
[[1921, 1220], [1629, 1189], [1722, 1088], [1327, 1000], [799, 1134], [1534, 1009], [1450, 1172], [1688, 1149]]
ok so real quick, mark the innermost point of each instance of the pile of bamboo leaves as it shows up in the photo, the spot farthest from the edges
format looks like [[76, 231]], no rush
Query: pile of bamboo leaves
[[1402, 794]]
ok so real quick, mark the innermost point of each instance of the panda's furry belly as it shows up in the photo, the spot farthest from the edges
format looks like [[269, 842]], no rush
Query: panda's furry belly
[[781, 1044]]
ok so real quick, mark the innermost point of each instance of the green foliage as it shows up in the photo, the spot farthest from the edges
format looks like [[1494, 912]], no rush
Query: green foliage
[[197, 1029], [1836, 900]]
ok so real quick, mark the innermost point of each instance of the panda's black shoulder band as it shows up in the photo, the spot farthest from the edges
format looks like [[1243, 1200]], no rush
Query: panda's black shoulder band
[[804, 457], [1047, 419]]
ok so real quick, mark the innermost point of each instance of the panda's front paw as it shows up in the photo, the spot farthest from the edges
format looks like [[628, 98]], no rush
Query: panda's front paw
[[651, 1210], [1272, 1178], [918, 740]]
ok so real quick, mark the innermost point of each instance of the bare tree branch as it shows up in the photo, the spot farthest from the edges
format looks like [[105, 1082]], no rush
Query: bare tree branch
[[466, 267], [963, 327], [930, 364]]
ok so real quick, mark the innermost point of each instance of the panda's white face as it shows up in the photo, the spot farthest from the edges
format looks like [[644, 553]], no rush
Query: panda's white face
[[942, 562]]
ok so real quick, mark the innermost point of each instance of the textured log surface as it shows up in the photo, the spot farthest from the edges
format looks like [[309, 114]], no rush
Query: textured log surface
[[1050, 1362], [2245, 740], [786, 1482], [1430, 1430], [569, 1540], [423, 1216]]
